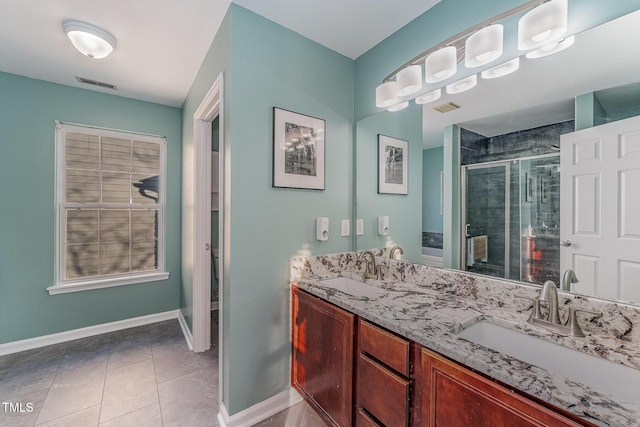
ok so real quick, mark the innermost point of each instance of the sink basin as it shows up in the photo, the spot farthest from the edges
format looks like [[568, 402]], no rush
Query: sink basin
[[600, 374], [352, 287]]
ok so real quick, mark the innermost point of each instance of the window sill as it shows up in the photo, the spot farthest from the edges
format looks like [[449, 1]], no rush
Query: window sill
[[85, 285]]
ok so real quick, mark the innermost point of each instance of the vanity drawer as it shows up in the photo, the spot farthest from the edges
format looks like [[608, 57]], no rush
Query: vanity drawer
[[382, 393], [388, 348]]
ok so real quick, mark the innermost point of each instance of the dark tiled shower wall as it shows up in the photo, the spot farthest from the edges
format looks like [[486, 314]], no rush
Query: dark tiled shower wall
[[531, 142], [431, 240]]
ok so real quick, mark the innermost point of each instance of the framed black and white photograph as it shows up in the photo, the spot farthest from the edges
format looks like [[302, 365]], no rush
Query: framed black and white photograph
[[393, 163], [298, 150]]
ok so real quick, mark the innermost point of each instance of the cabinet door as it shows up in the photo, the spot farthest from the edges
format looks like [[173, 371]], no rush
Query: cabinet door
[[453, 396], [322, 356]]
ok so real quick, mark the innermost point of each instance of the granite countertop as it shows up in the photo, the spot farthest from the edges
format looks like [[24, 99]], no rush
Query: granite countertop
[[416, 302]]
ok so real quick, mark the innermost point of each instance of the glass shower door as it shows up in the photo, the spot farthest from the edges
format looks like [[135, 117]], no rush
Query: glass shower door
[[486, 211]]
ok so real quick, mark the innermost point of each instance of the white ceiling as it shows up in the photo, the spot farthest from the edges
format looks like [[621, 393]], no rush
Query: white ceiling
[[350, 27], [161, 43]]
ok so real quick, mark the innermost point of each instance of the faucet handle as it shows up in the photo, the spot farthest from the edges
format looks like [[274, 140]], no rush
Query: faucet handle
[[572, 320], [535, 313]]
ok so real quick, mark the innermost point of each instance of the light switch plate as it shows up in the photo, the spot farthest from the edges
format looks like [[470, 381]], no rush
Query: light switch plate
[[359, 227], [345, 228]]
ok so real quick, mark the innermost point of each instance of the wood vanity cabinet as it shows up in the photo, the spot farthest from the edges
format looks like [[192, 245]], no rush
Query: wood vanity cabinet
[[382, 394], [396, 382], [448, 394], [322, 357]]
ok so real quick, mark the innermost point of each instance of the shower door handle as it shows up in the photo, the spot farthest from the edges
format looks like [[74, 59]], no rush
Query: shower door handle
[[466, 230], [565, 243]]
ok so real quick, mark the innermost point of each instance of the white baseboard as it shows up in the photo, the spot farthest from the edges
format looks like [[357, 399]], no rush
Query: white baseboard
[[259, 411], [185, 330], [45, 340]]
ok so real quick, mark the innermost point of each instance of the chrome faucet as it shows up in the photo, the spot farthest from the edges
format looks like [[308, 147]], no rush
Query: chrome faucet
[[371, 271], [568, 278], [549, 295], [392, 252]]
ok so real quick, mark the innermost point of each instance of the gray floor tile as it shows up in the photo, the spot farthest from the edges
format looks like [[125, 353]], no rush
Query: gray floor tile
[[129, 346], [299, 414], [129, 388], [86, 351], [26, 413], [74, 390], [30, 381], [149, 416], [49, 357], [188, 400], [6, 363], [161, 331], [172, 358], [84, 418]]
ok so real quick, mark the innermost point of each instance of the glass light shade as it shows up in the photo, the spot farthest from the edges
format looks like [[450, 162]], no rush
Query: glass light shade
[[400, 106], [542, 25], [462, 85], [386, 95], [483, 46], [429, 97], [409, 80], [441, 64], [88, 39], [501, 70], [551, 48]]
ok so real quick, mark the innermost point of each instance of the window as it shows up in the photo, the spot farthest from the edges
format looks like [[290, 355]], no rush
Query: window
[[110, 208]]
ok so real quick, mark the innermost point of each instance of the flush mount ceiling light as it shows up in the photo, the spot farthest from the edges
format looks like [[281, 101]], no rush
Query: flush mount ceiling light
[[400, 106], [409, 80], [441, 64], [90, 40], [386, 95], [542, 25], [501, 70], [483, 46], [551, 48], [429, 97], [462, 85]]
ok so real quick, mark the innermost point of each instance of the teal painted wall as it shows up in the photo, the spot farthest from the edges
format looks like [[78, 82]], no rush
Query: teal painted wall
[[432, 165], [404, 211], [266, 65], [28, 109], [272, 66]]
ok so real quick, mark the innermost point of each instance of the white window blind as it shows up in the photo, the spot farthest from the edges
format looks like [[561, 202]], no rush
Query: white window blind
[[110, 207]]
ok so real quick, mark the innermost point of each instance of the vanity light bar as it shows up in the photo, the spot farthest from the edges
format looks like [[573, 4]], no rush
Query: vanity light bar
[[460, 37], [541, 27]]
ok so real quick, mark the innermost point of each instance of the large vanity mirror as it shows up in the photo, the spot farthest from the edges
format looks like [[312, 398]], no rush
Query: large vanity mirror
[[484, 178]]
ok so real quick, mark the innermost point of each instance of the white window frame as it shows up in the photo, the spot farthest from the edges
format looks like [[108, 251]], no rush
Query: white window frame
[[63, 285]]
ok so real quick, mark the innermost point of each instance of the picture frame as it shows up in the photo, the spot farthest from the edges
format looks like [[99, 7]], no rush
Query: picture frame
[[298, 150], [393, 165]]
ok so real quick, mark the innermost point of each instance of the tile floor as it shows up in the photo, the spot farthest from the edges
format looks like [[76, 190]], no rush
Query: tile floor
[[144, 376]]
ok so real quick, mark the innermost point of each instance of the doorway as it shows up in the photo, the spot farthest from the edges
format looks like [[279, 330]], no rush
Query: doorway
[[210, 110]]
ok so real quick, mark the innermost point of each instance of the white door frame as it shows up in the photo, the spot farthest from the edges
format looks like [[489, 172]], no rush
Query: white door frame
[[209, 109]]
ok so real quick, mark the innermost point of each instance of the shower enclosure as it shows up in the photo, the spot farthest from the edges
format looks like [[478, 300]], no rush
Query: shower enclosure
[[511, 218]]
